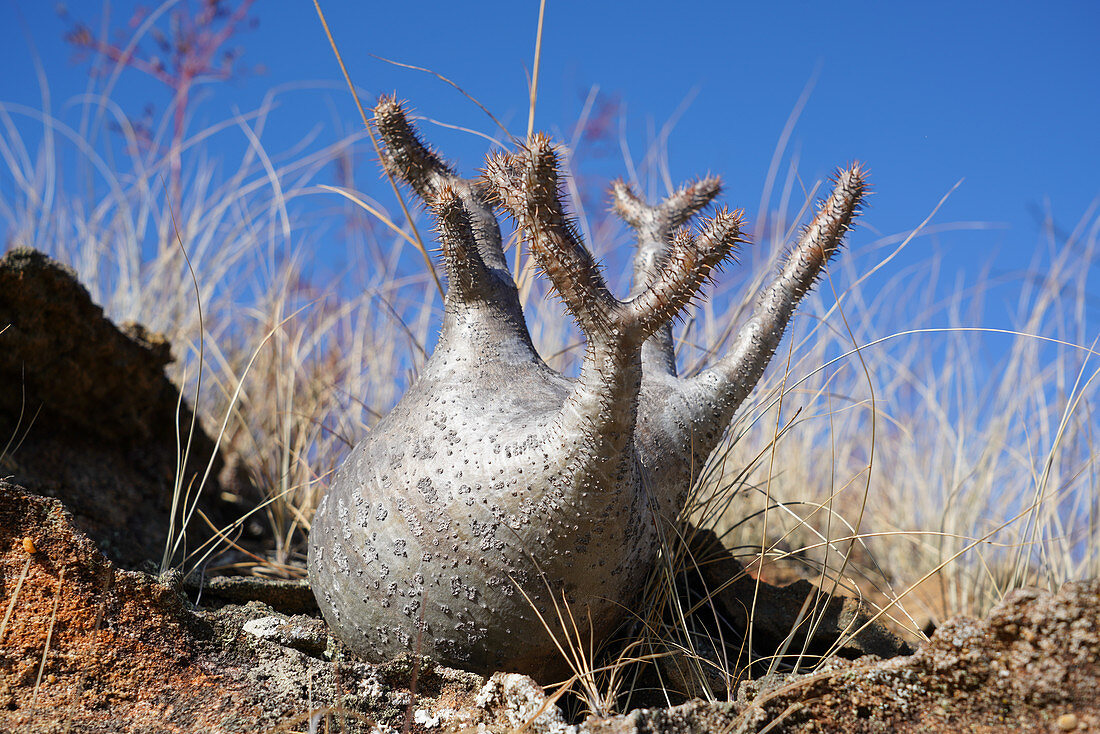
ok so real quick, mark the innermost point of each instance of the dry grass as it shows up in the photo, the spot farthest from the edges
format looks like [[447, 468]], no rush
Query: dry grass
[[311, 360], [896, 450], [903, 432]]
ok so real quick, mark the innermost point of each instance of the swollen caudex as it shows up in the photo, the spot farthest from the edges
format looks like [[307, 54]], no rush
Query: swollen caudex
[[497, 485]]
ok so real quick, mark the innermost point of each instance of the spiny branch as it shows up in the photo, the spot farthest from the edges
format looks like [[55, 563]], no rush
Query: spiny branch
[[822, 237], [528, 187], [673, 212], [686, 266], [466, 271], [654, 228], [729, 382], [410, 160], [405, 155]]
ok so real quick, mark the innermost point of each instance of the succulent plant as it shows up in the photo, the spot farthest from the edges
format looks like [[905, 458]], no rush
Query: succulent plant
[[497, 486]]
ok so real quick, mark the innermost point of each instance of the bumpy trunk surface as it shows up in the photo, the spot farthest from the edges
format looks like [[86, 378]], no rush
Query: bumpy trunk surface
[[498, 490]]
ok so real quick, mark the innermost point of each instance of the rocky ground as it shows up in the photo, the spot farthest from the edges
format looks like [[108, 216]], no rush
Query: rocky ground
[[89, 644]]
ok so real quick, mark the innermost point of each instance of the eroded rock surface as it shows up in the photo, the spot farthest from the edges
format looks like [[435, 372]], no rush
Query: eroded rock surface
[[112, 646], [1032, 665], [840, 624], [124, 653], [89, 409], [120, 652]]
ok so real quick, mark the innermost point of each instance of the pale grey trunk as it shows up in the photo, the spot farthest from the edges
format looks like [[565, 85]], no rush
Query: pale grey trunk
[[497, 485]]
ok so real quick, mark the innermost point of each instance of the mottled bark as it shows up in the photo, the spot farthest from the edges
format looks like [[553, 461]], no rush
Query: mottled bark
[[497, 484]]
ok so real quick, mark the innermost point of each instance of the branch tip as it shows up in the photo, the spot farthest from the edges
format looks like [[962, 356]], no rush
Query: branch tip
[[404, 154]]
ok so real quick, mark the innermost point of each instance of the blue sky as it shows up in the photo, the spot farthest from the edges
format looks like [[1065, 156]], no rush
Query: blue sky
[[1005, 95]]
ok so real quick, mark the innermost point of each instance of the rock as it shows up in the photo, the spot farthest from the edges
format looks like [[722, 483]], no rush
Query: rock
[[299, 632], [113, 646], [124, 653], [91, 411], [511, 700], [688, 718], [1067, 722], [1035, 657], [83, 373], [127, 654], [785, 614], [289, 596]]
